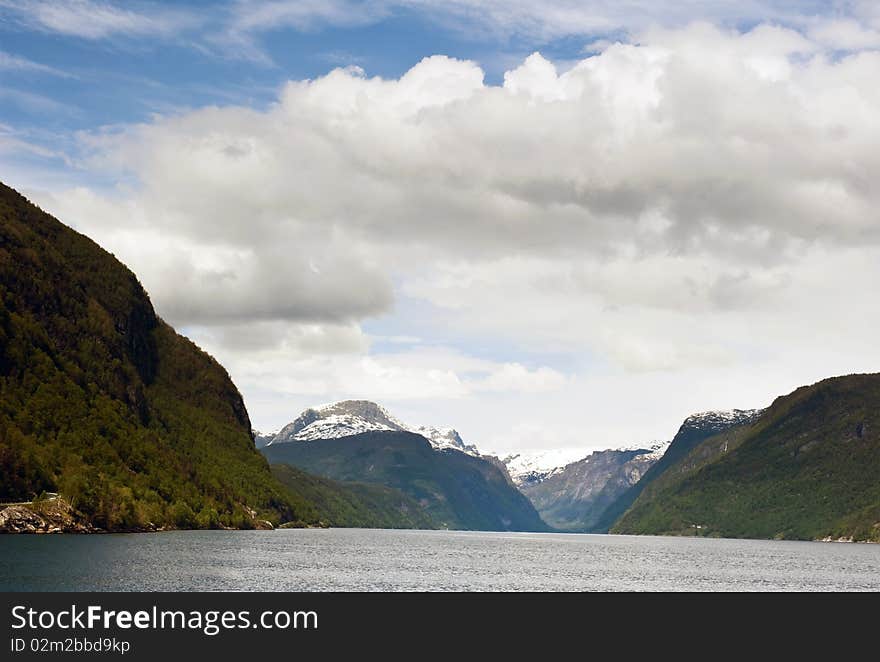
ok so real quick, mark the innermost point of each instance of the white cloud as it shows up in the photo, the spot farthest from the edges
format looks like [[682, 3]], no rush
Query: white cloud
[[261, 15], [91, 19], [508, 20], [17, 145], [715, 139], [34, 102], [283, 339], [306, 368], [692, 218], [245, 22], [846, 34], [515, 377], [553, 19], [235, 28], [10, 62], [288, 274]]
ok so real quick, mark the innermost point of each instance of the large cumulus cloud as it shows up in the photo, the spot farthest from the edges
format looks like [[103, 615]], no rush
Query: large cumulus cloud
[[693, 199], [696, 142]]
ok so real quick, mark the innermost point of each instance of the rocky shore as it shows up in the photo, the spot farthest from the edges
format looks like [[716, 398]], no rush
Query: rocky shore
[[57, 516], [51, 516]]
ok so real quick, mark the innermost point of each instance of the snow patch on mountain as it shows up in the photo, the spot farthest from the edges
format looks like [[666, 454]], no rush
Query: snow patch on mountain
[[540, 465], [338, 425], [722, 419], [263, 439], [351, 417], [442, 438], [653, 451], [657, 450], [536, 467]]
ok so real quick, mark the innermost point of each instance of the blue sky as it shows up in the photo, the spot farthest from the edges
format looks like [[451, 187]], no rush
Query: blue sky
[[119, 63], [68, 82], [557, 224], [57, 83]]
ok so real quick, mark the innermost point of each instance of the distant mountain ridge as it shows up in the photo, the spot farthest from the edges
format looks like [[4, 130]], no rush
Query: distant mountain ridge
[[806, 468], [573, 497], [534, 467], [351, 417], [360, 441], [111, 421], [695, 429], [721, 420], [584, 488]]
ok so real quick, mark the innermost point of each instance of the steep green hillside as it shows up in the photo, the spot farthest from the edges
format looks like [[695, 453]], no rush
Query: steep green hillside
[[360, 505], [102, 401], [458, 491], [808, 468], [693, 431]]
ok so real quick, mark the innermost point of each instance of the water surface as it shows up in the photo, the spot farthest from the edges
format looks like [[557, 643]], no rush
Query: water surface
[[385, 560]]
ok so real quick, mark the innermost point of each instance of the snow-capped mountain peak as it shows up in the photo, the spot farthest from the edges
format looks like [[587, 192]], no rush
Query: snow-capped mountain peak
[[444, 438], [540, 465], [653, 450], [338, 419], [351, 417], [722, 419], [533, 468], [657, 449]]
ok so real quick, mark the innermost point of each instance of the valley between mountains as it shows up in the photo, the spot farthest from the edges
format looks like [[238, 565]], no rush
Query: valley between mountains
[[112, 421]]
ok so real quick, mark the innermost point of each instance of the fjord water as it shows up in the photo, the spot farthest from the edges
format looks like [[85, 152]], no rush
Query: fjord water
[[386, 560]]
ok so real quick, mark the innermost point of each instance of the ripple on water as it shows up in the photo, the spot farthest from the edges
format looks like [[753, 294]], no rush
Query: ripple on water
[[385, 560]]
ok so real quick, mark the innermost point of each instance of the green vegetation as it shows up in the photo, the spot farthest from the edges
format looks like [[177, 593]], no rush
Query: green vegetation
[[102, 401], [457, 491], [807, 469], [359, 505], [689, 436], [137, 428]]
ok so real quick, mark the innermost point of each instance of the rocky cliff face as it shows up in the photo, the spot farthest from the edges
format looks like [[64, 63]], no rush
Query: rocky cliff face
[[527, 469], [573, 497]]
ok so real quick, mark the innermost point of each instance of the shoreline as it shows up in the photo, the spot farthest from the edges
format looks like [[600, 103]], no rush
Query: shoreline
[[83, 528]]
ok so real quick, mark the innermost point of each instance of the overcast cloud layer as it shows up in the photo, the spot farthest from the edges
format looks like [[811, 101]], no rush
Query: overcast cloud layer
[[576, 257]]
